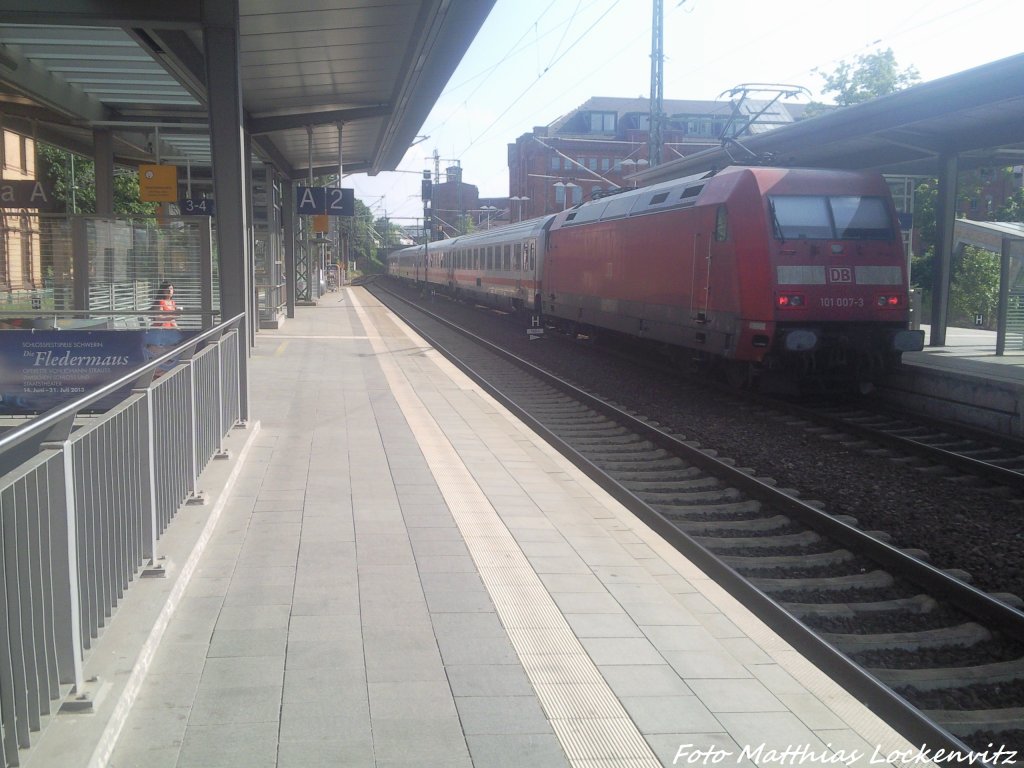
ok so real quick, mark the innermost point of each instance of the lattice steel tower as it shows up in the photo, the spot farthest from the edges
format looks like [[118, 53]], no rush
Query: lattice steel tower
[[657, 84]]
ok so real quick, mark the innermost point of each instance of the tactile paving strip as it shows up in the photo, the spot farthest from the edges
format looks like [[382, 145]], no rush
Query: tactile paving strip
[[589, 721]]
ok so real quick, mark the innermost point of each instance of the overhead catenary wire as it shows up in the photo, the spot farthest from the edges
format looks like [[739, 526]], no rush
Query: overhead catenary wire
[[535, 81]]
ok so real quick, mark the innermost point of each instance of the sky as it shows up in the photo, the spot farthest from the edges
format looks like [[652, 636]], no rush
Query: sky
[[535, 60]]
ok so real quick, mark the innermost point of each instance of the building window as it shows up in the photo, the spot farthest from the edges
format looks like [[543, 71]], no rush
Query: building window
[[602, 122], [554, 162], [606, 163]]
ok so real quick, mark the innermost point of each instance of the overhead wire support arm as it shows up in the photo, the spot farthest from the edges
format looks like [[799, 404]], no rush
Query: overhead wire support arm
[[744, 91], [729, 136], [581, 166]]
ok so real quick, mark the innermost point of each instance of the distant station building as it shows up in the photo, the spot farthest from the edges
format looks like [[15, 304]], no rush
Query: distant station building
[[452, 202], [592, 149]]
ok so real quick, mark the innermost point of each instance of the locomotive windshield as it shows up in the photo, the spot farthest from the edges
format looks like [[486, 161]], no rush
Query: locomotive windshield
[[845, 217]]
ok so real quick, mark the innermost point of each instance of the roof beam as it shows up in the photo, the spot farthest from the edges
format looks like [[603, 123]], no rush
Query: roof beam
[[274, 155], [261, 125], [177, 54], [41, 86], [332, 170], [181, 14]]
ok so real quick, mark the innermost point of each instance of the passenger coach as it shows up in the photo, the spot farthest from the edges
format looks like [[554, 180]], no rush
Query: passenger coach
[[500, 267]]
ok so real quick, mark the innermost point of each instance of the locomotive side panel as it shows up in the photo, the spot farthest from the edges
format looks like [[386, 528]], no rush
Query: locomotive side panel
[[740, 262], [658, 276], [612, 275]]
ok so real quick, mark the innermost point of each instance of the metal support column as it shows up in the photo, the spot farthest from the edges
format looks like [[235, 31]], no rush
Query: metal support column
[[1004, 296], [945, 210], [657, 85], [221, 44], [103, 159], [252, 302], [290, 232]]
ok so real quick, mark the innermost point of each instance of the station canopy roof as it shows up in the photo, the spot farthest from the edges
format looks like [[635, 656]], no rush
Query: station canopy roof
[[977, 114], [70, 67]]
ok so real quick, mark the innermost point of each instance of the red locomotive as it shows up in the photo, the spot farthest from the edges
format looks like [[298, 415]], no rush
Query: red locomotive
[[760, 269]]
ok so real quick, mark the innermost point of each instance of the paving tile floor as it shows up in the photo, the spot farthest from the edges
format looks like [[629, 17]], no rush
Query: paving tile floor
[[405, 575]]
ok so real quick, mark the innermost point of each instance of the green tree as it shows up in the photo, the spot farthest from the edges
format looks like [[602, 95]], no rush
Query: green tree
[[969, 293], [78, 192], [869, 76], [390, 232], [1013, 208], [361, 237], [975, 286]]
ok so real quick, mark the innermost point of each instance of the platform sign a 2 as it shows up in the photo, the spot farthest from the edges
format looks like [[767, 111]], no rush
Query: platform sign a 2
[[310, 201], [332, 201], [340, 201]]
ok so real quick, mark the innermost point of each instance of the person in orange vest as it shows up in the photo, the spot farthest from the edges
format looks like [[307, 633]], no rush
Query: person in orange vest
[[164, 302]]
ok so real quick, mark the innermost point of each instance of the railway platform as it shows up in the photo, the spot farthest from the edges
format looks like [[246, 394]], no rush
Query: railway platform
[[966, 381], [400, 573]]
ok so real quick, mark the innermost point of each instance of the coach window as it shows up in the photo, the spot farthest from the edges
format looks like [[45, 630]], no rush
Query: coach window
[[721, 224], [506, 258], [517, 258]]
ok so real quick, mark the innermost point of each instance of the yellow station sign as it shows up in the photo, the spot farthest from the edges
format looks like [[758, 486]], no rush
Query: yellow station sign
[[158, 183]]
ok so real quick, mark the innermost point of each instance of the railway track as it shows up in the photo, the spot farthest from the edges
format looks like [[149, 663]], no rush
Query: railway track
[[962, 449], [942, 661]]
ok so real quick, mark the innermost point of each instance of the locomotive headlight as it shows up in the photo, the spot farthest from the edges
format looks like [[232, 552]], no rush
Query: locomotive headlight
[[790, 301], [890, 301], [801, 340]]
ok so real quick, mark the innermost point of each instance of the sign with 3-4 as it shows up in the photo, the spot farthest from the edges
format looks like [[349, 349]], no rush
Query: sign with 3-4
[[333, 201], [191, 206]]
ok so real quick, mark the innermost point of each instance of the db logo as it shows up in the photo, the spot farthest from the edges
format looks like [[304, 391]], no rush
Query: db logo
[[840, 275]]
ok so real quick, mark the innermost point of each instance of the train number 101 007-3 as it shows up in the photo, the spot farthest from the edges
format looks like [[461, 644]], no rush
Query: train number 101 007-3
[[841, 302]]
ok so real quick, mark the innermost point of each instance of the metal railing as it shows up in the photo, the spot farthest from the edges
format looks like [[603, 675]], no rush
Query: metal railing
[[83, 501]]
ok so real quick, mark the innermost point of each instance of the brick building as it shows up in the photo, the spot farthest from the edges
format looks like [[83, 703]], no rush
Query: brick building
[[452, 202], [593, 148]]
